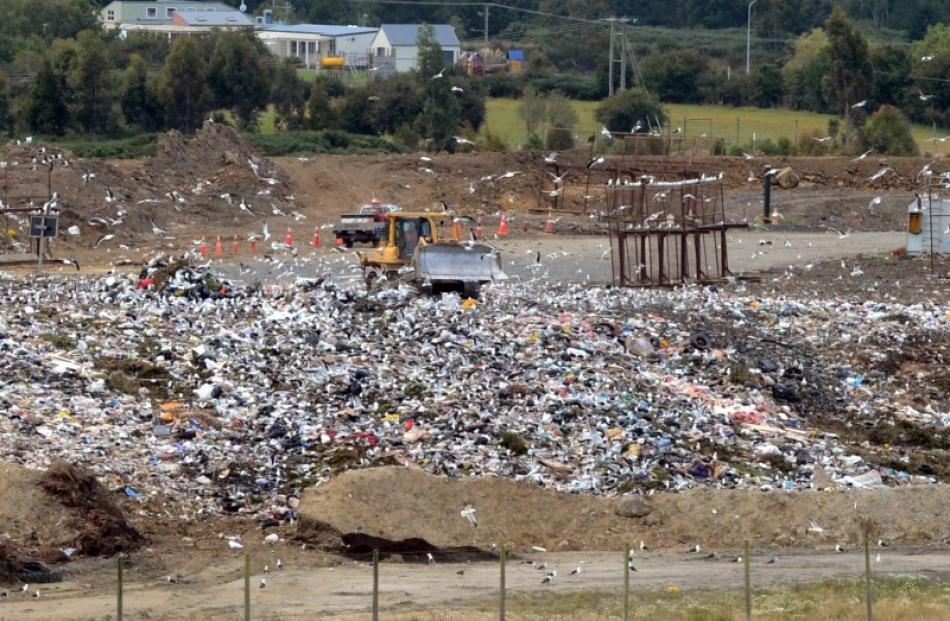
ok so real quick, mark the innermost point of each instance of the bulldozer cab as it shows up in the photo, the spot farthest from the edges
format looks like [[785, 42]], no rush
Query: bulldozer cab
[[409, 231]]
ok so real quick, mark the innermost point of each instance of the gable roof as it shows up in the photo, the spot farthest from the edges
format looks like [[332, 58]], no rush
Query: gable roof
[[408, 34], [213, 18], [327, 30]]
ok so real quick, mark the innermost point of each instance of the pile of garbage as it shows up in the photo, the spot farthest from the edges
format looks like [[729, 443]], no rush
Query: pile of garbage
[[234, 404]]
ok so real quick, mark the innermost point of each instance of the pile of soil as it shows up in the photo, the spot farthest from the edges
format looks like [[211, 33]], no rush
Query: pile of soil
[[64, 507], [393, 508], [198, 180]]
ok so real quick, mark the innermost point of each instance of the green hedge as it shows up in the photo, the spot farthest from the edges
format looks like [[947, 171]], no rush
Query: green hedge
[[324, 141], [142, 145]]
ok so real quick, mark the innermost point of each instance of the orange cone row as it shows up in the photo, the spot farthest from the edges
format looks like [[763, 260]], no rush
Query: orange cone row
[[503, 226]]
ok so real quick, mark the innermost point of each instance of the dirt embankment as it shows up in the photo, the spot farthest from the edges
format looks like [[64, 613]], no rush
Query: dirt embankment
[[410, 512], [55, 516]]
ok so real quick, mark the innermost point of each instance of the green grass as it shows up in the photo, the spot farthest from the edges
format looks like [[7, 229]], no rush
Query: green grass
[[894, 599], [718, 121]]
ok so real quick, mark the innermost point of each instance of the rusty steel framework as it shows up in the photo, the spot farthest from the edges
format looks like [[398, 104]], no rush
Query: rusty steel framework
[[34, 186], [667, 232]]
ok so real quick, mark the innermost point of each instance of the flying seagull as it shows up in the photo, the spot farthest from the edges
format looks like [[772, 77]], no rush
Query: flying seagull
[[863, 156], [860, 104]]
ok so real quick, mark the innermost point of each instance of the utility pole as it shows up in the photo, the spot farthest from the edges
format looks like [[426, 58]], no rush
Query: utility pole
[[610, 66], [485, 31], [748, 40], [623, 60]]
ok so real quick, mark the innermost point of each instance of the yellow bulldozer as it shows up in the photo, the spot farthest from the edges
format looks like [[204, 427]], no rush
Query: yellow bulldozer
[[427, 249]]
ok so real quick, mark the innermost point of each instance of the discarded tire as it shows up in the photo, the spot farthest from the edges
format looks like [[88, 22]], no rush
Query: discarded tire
[[701, 340]]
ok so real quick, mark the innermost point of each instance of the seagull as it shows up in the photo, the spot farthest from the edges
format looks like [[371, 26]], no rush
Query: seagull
[[694, 550], [266, 232], [814, 528], [595, 161], [158, 231], [272, 538], [26, 587], [860, 104], [460, 572], [73, 262], [877, 559], [643, 547], [824, 139], [508, 175], [874, 201], [461, 140], [469, 514], [923, 97], [109, 195], [245, 206], [747, 156], [551, 158], [926, 59], [255, 167], [263, 584], [576, 571], [772, 560], [863, 155], [429, 558], [103, 239], [838, 548], [439, 75], [636, 127], [737, 559], [606, 133], [36, 595], [280, 564], [631, 567], [558, 180], [881, 543], [266, 569], [880, 173], [548, 579], [456, 89], [234, 545]]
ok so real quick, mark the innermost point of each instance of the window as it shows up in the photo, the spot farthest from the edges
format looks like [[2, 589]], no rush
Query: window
[[151, 12], [170, 12], [293, 48], [380, 51], [110, 15], [312, 48]]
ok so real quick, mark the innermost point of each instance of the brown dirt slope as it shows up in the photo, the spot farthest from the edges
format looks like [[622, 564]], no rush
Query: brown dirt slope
[[399, 504]]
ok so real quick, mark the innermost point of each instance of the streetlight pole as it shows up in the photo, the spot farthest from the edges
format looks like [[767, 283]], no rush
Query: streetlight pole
[[748, 40]]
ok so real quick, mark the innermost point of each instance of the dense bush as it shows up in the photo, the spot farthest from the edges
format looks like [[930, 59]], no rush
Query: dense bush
[[317, 142], [503, 85], [888, 131], [621, 112], [573, 86]]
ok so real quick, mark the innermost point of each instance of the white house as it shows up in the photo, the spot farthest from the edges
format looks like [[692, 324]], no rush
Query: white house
[[320, 46], [395, 50]]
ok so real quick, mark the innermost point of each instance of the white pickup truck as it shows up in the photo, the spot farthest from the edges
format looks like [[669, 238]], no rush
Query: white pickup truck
[[367, 226]]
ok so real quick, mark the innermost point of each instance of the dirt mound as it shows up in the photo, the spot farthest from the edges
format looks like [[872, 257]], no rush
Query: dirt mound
[[391, 507], [199, 180], [65, 507]]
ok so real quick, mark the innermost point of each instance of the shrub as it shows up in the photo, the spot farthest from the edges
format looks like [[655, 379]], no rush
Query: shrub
[[503, 85], [622, 111], [888, 131], [572, 86], [559, 139], [321, 142], [533, 143]]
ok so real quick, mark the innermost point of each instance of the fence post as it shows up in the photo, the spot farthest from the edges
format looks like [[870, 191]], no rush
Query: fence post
[[747, 562], [867, 575], [375, 585], [118, 605], [502, 562], [247, 587], [737, 130], [626, 582]]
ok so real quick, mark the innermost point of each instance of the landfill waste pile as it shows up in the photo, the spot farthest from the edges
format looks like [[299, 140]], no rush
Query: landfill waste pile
[[233, 404], [215, 176]]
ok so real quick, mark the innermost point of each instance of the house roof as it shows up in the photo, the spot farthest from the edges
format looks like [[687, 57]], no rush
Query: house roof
[[514, 54], [319, 29], [408, 34], [213, 18]]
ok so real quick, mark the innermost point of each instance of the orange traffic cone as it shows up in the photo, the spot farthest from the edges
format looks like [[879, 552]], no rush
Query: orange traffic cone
[[252, 245], [503, 226], [339, 242], [549, 226], [525, 226], [203, 248], [235, 246], [289, 237], [479, 230], [218, 248], [458, 229], [315, 240]]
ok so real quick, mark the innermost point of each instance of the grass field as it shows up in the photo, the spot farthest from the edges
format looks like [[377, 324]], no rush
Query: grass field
[[894, 599], [717, 121]]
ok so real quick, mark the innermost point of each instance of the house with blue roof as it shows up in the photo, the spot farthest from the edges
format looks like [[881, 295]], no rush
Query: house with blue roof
[[395, 48]]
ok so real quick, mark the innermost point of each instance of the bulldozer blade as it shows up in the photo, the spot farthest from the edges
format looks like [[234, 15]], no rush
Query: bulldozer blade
[[461, 263]]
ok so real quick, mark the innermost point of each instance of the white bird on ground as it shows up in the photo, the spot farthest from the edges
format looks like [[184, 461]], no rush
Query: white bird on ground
[[881, 543], [298, 216], [606, 133], [271, 538], [457, 89], [158, 231], [255, 167], [814, 528], [838, 548], [860, 104], [263, 584], [877, 559], [508, 175], [280, 564], [576, 571], [926, 59], [26, 588], [277, 211], [109, 195], [694, 550], [461, 140], [874, 201], [595, 161], [227, 198], [266, 232], [439, 75], [551, 158], [643, 547], [751, 177], [234, 544], [748, 156], [245, 206], [863, 155], [429, 558]]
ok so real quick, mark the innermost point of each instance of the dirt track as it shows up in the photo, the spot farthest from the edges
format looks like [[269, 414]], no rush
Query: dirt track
[[308, 593]]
